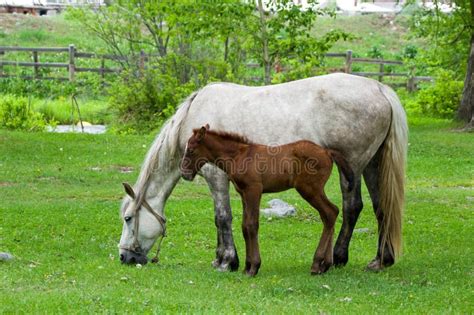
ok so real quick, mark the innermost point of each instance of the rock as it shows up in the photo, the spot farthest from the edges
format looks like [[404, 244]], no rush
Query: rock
[[278, 208], [84, 123], [362, 230], [6, 257]]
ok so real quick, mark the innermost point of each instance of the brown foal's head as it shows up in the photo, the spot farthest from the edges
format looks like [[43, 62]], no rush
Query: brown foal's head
[[195, 154]]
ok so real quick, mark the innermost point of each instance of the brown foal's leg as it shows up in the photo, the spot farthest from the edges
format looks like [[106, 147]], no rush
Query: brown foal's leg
[[250, 223], [323, 257], [328, 216]]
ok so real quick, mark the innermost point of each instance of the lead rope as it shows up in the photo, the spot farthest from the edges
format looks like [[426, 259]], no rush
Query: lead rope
[[162, 222], [156, 259]]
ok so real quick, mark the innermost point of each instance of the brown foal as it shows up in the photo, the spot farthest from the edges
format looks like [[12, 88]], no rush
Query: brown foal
[[255, 169]]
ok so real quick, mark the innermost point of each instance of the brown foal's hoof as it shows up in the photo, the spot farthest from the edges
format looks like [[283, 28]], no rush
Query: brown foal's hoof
[[251, 270], [318, 269], [250, 273], [375, 265]]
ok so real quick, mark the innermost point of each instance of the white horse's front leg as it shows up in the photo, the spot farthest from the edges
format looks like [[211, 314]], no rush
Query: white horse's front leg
[[226, 253]]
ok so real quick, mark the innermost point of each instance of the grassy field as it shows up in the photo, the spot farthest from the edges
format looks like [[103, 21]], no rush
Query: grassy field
[[59, 200], [53, 31]]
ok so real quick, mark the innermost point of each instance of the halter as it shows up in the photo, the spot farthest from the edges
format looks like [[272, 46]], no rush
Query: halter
[[135, 247]]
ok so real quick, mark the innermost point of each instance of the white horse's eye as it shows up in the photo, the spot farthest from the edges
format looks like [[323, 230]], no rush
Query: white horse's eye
[[127, 218]]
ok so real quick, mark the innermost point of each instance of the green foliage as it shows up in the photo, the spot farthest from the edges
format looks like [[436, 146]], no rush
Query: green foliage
[[375, 52], [32, 113], [142, 102], [35, 88], [33, 35], [449, 37], [440, 99], [16, 113], [196, 43], [409, 51], [61, 110], [282, 36], [187, 32]]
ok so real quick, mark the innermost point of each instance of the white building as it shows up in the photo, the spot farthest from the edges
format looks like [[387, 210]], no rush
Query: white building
[[42, 7]]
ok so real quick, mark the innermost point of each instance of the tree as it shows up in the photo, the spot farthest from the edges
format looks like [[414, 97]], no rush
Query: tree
[[190, 43], [282, 31], [466, 109], [453, 37]]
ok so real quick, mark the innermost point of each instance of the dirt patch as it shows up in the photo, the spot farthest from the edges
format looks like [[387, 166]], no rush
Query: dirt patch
[[122, 168], [5, 184], [125, 169]]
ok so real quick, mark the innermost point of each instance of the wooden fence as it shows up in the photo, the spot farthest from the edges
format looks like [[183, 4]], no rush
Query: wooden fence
[[72, 56], [411, 80]]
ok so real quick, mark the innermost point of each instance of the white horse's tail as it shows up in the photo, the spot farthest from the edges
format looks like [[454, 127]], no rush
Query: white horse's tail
[[392, 175]]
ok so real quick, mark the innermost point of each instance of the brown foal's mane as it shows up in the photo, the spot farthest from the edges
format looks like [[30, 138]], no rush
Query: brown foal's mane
[[229, 136]]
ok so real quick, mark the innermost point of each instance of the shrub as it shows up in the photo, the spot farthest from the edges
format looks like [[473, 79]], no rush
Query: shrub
[[409, 51], [36, 88], [442, 98], [375, 52], [15, 113], [142, 102]]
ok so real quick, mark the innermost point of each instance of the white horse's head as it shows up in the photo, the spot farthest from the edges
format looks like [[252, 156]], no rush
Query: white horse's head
[[141, 228]]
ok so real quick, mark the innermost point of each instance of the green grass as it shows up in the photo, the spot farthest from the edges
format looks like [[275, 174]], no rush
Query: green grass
[[53, 31], [389, 33], [62, 110], [60, 195]]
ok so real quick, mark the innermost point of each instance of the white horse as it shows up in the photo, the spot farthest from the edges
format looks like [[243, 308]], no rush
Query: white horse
[[361, 118]]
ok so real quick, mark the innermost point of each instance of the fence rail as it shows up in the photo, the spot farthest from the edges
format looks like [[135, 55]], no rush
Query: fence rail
[[72, 55]]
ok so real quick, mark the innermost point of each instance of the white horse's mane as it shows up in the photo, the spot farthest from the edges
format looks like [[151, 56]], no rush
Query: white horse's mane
[[162, 149]]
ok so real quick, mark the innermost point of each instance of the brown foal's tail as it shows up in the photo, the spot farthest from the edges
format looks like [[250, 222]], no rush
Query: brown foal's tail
[[343, 166]]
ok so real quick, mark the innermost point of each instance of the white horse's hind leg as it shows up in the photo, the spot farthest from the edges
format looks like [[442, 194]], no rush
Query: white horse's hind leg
[[226, 253], [371, 178]]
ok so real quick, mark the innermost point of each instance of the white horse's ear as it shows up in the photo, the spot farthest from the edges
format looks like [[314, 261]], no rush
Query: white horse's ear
[[129, 190]]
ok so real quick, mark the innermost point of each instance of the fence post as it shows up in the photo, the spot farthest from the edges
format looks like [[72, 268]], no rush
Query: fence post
[[72, 66], [411, 83], [102, 72], [349, 61], [381, 70], [36, 60], [1, 64]]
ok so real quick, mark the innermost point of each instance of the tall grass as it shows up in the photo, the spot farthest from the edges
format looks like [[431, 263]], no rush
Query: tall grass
[[64, 111]]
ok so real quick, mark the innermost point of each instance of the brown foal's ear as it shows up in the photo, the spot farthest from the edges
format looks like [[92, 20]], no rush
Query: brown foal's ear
[[201, 133], [207, 126], [129, 190]]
